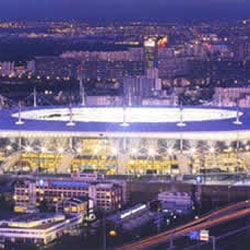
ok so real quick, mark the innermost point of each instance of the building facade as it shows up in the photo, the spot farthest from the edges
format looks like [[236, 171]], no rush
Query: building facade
[[52, 193]]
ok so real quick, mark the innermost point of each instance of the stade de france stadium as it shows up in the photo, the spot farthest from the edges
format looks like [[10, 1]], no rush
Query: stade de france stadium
[[131, 140]]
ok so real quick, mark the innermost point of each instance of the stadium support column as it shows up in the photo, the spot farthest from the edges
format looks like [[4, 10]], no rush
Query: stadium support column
[[183, 162], [19, 142], [32, 193], [123, 158], [34, 97], [237, 153], [183, 159], [71, 144], [81, 86]]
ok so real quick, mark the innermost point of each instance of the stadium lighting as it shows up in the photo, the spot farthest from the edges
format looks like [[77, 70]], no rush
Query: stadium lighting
[[96, 150], [78, 150], [134, 151], [124, 118], [70, 123], [60, 150], [211, 150], [128, 116], [181, 123], [192, 150], [43, 149], [151, 151], [28, 149], [113, 151], [9, 148], [19, 121], [124, 124], [237, 120], [170, 151]]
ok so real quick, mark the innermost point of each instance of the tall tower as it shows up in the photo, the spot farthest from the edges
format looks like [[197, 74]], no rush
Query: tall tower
[[150, 53], [81, 86]]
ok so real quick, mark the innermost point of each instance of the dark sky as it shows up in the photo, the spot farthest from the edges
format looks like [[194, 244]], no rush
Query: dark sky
[[124, 9]]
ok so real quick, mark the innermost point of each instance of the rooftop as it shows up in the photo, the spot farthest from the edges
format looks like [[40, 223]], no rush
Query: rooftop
[[73, 184], [201, 122], [36, 221]]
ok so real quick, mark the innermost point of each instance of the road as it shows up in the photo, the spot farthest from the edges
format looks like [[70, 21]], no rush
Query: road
[[219, 216]]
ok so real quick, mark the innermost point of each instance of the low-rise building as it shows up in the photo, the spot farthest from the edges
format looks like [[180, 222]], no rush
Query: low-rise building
[[131, 218], [37, 229], [175, 197], [176, 201], [105, 195], [82, 205]]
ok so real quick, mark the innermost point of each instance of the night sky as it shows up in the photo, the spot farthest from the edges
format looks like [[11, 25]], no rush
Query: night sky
[[124, 10]]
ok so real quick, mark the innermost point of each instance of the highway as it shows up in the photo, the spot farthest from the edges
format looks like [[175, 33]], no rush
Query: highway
[[219, 216]]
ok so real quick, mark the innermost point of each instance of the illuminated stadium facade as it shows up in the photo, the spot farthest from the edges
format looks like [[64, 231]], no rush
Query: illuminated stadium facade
[[129, 140]]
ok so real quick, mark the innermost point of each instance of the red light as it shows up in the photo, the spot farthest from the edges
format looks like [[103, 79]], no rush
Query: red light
[[162, 43]]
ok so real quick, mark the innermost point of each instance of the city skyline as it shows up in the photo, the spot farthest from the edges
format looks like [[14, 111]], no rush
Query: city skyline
[[124, 124], [110, 10]]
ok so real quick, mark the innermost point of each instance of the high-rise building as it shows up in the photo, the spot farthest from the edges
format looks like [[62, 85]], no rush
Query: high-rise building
[[136, 88], [150, 52]]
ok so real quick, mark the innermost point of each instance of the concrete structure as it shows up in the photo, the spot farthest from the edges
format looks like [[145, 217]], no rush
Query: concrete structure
[[131, 218], [175, 197], [232, 96], [136, 88], [124, 140], [53, 193], [179, 202], [82, 205], [37, 229], [150, 52]]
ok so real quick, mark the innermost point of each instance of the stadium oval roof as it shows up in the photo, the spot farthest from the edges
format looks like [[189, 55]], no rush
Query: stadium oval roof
[[198, 123]]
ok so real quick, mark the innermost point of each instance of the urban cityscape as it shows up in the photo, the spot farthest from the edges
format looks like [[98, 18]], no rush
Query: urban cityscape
[[125, 126]]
